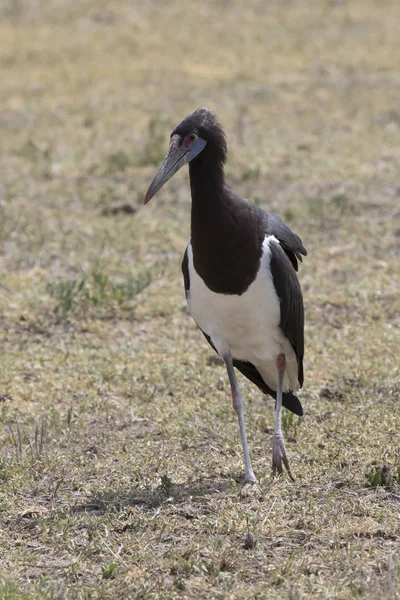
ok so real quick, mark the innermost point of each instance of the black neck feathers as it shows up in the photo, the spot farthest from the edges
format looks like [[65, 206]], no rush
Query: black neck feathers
[[226, 231]]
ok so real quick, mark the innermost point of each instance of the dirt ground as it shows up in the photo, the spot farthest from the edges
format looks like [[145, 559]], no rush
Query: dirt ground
[[120, 460]]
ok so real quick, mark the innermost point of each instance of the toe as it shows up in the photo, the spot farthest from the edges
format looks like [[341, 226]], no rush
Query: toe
[[278, 457], [251, 478]]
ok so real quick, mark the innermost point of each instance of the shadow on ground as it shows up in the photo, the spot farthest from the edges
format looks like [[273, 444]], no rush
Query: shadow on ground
[[100, 503]]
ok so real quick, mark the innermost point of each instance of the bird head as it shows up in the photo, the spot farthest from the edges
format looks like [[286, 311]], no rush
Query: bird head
[[188, 140]]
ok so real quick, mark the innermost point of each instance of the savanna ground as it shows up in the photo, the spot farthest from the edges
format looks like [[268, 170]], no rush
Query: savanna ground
[[120, 455]]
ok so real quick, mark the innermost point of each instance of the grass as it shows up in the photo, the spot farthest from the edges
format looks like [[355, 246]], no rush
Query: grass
[[120, 464]]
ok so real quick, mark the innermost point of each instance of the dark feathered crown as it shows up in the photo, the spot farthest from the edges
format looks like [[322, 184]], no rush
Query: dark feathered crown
[[205, 123]]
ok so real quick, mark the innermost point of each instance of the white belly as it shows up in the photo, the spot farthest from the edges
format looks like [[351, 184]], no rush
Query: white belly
[[247, 326]]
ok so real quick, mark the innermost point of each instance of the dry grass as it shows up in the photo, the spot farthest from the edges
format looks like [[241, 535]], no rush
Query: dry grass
[[120, 452]]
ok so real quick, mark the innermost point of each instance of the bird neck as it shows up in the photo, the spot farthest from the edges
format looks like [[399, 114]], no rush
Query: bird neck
[[207, 186], [224, 232]]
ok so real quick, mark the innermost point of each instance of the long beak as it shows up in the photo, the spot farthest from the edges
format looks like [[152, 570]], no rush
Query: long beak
[[175, 159]]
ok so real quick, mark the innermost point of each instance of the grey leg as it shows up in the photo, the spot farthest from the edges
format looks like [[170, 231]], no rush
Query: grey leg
[[237, 403], [278, 445]]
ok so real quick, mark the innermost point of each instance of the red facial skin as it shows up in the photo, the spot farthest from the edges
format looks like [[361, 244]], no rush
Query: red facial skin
[[189, 140]]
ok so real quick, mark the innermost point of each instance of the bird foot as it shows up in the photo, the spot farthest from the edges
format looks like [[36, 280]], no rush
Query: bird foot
[[250, 478], [279, 456]]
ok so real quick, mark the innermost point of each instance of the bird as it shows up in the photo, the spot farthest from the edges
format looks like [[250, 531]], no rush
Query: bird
[[240, 279]]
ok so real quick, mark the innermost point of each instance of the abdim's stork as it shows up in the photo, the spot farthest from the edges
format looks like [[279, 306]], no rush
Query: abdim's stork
[[240, 277]]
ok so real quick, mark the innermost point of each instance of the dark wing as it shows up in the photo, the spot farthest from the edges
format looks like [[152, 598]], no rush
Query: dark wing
[[291, 302], [185, 272], [290, 242]]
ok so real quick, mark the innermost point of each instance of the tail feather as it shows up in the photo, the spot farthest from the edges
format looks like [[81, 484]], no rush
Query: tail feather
[[289, 400], [292, 403]]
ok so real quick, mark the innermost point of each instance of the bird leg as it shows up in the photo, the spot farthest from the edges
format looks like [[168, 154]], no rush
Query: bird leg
[[237, 403], [278, 445]]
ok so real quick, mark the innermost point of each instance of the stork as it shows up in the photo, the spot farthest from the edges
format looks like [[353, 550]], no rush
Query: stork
[[239, 271]]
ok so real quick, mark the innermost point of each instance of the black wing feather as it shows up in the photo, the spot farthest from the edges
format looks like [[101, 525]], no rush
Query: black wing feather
[[290, 242], [185, 272], [291, 302]]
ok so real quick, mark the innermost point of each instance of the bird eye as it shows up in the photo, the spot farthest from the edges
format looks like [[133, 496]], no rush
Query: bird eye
[[190, 139]]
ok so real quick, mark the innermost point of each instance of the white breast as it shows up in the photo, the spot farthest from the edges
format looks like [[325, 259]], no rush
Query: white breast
[[247, 326]]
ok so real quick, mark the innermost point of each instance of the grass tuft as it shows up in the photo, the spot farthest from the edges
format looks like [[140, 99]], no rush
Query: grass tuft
[[384, 475], [97, 291], [110, 571]]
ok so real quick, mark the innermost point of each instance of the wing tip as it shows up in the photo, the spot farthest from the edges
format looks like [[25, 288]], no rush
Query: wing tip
[[301, 251], [292, 403]]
